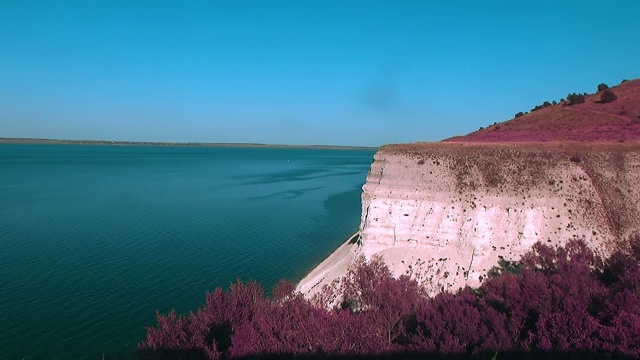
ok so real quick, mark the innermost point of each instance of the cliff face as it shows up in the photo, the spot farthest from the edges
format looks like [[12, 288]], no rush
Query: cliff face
[[447, 212], [453, 210]]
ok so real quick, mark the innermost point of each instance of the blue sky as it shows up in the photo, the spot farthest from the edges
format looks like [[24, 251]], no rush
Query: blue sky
[[300, 72]]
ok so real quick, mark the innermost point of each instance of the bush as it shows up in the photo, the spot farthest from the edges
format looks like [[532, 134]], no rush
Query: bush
[[545, 104], [559, 299], [575, 99], [519, 114], [602, 87], [607, 97]]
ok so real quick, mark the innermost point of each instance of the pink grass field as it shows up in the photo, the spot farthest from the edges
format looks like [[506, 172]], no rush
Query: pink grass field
[[591, 121]]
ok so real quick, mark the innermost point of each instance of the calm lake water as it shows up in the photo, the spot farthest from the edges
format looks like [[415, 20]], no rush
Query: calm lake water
[[94, 239]]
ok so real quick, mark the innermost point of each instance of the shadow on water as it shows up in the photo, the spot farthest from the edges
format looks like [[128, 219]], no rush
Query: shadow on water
[[544, 355], [283, 176], [289, 194], [344, 203], [297, 175]]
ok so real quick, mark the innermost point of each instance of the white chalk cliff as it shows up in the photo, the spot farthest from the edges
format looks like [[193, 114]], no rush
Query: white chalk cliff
[[447, 212]]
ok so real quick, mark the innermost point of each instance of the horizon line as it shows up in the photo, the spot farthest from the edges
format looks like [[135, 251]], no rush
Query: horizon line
[[27, 140]]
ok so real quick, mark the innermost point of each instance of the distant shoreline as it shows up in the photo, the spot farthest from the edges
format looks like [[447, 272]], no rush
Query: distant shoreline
[[176, 144]]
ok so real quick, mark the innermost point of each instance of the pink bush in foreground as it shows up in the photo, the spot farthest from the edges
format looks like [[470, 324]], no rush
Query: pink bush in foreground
[[564, 299]]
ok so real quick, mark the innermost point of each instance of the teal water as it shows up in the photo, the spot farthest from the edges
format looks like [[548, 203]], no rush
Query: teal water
[[94, 239]]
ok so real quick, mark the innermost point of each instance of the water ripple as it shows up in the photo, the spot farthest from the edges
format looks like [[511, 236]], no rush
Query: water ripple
[[94, 239]]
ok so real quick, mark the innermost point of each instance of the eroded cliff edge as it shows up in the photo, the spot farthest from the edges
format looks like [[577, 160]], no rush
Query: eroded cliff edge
[[447, 212]]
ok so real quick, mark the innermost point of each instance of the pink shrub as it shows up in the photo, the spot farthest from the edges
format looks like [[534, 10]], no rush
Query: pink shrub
[[559, 299], [456, 324]]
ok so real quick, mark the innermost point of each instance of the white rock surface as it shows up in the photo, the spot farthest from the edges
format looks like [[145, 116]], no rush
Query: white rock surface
[[447, 212]]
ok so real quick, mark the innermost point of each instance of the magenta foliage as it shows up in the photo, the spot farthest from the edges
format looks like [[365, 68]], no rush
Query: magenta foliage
[[550, 298], [370, 291], [288, 325], [567, 299], [621, 314], [459, 324], [171, 333], [210, 329], [560, 299]]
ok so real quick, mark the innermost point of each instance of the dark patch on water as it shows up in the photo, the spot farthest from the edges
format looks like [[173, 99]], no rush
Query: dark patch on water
[[343, 203], [289, 194]]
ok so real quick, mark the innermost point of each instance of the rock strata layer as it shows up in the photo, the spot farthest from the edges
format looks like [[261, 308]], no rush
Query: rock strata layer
[[447, 212]]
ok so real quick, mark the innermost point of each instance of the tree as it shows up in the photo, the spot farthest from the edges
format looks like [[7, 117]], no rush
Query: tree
[[519, 114], [607, 96], [545, 104], [602, 87], [575, 98]]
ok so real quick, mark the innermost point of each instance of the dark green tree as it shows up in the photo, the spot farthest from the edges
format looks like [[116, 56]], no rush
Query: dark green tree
[[602, 87], [607, 97], [575, 98]]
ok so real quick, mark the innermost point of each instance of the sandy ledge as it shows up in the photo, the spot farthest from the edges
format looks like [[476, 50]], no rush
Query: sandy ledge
[[334, 266]]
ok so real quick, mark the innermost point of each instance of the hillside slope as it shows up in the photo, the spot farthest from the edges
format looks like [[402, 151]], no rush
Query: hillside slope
[[589, 121]]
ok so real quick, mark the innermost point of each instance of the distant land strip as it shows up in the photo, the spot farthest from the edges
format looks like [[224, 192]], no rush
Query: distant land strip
[[181, 144]]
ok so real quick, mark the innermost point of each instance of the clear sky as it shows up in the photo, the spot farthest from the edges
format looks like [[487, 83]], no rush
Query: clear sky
[[300, 71]]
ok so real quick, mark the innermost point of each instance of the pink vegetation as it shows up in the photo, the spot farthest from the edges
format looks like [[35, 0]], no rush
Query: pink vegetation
[[590, 121], [553, 302]]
